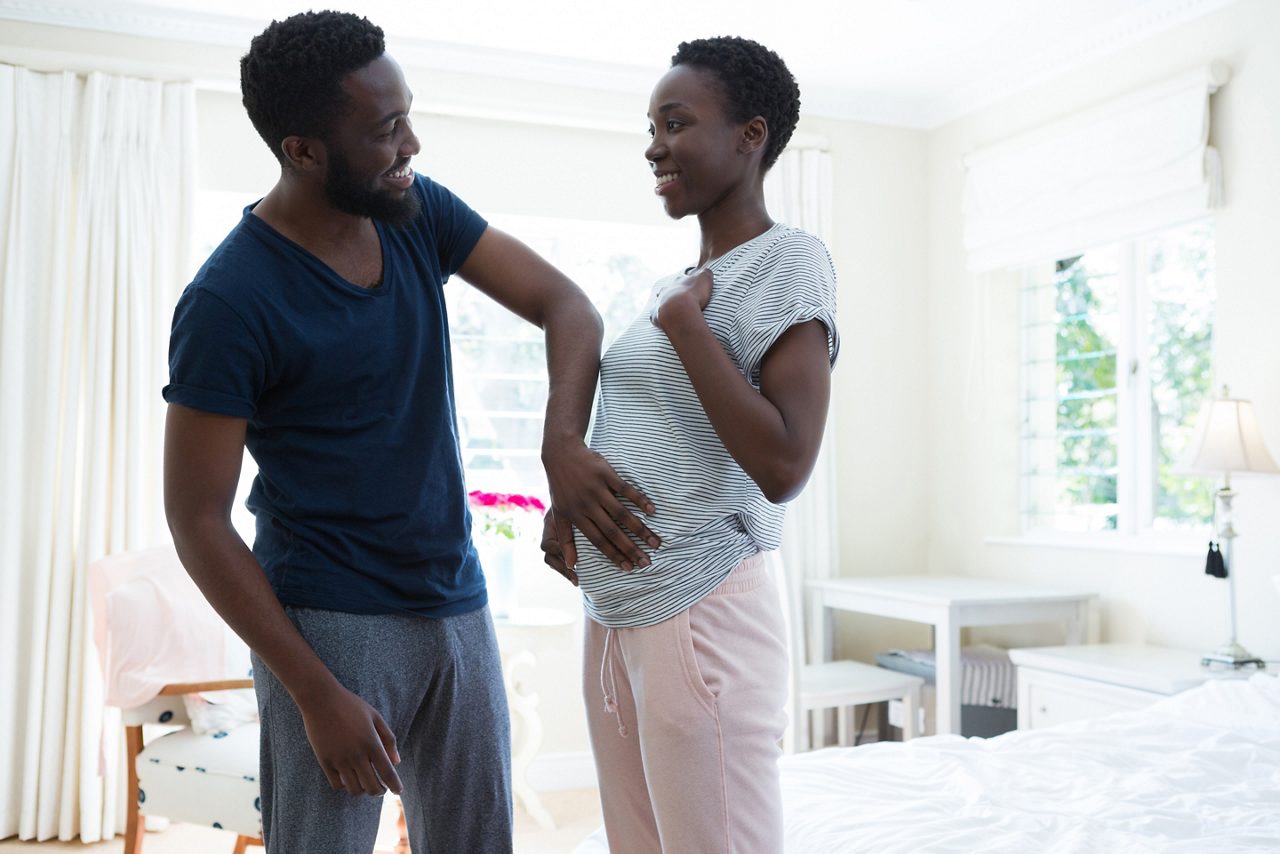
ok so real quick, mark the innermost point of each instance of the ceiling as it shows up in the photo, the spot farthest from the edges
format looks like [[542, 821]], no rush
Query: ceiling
[[914, 63]]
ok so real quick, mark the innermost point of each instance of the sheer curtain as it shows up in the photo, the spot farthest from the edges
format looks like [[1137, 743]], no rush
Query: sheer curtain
[[96, 187], [798, 192]]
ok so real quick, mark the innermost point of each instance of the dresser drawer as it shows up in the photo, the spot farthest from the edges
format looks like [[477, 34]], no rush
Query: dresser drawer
[[1047, 698]]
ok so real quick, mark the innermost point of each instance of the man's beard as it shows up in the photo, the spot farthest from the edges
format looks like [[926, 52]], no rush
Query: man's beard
[[347, 192]]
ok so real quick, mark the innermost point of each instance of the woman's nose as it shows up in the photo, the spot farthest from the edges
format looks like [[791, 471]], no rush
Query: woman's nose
[[654, 151]]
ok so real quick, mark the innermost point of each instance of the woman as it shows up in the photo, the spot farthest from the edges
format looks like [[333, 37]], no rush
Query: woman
[[712, 405]]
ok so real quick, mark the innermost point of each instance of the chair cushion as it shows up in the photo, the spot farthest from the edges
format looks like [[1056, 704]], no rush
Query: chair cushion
[[164, 710], [851, 683], [207, 779]]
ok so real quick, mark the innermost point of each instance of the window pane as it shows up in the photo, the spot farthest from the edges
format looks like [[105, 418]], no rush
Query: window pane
[[1087, 319], [1180, 281]]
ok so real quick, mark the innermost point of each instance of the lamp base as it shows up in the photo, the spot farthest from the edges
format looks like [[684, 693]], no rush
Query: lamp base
[[1233, 656]]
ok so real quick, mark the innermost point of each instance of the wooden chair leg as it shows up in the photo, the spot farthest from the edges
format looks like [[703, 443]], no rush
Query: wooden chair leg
[[243, 842], [402, 846], [133, 824]]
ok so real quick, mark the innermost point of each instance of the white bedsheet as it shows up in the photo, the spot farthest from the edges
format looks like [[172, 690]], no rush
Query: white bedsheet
[[1197, 773]]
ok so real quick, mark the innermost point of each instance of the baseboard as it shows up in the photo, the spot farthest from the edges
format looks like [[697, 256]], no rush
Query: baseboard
[[553, 772]]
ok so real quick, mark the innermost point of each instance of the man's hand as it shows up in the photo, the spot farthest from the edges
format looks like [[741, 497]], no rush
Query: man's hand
[[351, 741], [552, 553], [586, 494]]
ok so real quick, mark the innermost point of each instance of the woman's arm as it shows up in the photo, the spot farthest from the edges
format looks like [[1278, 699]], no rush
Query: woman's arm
[[773, 433]]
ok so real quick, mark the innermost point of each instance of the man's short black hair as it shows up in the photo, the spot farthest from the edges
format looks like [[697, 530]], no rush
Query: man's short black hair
[[754, 81], [291, 78]]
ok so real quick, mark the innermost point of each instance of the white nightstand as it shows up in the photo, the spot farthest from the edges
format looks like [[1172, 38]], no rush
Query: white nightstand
[[1057, 684]]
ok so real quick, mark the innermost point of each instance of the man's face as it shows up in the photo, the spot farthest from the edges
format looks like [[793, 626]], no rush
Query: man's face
[[370, 146]]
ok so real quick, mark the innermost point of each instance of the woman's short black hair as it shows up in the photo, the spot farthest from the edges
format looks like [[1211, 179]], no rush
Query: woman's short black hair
[[291, 78], [754, 82]]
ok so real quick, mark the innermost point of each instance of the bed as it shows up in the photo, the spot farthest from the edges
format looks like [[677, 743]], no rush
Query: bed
[[1197, 772]]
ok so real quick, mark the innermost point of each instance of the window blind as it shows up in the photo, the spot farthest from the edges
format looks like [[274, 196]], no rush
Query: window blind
[[1131, 166]]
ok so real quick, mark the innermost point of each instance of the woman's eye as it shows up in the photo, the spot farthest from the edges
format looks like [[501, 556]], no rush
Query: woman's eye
[[673, 126]]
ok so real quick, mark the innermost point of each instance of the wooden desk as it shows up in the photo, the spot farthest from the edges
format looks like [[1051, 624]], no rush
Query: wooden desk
[[948, 603]]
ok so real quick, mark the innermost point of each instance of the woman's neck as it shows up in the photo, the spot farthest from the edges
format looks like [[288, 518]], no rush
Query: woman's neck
[[727, 226]]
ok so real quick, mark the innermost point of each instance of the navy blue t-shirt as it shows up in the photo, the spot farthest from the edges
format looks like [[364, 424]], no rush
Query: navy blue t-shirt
[[359, 500]]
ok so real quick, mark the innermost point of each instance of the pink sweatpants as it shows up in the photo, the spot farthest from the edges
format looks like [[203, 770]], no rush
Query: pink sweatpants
[[685, 718]]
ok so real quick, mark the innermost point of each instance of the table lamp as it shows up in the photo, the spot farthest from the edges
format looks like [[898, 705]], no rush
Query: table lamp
[[1227, 440]]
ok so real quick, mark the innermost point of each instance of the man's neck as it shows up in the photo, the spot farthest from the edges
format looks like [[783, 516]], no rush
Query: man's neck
[[304, 215]]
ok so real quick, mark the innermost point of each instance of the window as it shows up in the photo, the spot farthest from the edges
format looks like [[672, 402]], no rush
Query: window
[[1116, 363], [499, 361]]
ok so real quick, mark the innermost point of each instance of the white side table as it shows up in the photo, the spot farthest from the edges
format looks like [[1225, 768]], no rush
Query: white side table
[[517, 634], [948, 603], [1057, 684]]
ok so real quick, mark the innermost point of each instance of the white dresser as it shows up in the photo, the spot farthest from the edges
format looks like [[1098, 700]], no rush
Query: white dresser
[[1057, 684]]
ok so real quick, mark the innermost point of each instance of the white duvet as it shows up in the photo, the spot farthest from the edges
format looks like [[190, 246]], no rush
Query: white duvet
[[1198, 772]]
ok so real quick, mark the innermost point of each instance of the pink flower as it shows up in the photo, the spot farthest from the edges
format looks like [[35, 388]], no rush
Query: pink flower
[[501, 501]]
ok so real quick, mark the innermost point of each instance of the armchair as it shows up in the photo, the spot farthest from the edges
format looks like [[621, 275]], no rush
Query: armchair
[[157, 640]]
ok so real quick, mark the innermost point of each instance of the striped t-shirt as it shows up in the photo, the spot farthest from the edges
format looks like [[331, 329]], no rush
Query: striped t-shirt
[[652, 429]]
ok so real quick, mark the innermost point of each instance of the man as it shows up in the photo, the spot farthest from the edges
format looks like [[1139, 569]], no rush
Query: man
[[315, 336]]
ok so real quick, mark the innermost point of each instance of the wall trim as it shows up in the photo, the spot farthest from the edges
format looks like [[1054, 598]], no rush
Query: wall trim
[[919, 111]]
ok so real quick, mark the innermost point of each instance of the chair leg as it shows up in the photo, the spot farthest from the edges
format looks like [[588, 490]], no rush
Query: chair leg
[[134, 828], [802, 741], [243, 842], [845, 725], [402, 845]]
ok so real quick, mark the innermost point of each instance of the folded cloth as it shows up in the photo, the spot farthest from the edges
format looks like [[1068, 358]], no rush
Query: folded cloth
[[152, 626], [220, 711]]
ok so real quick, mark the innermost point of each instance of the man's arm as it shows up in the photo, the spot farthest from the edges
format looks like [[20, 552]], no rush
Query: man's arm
[[202, 456], [585, 490]]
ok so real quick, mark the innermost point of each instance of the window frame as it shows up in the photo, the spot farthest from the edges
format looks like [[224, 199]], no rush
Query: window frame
[[1136, 446]]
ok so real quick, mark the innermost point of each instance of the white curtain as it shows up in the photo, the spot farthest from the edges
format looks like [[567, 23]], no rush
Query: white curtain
[[96, 188], [798, 192], [1130, 166]]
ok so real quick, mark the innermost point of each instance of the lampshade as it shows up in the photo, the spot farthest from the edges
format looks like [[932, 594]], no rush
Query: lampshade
[[1227, 440]]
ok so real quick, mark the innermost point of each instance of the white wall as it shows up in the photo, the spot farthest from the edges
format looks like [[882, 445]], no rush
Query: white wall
[[880, 386], [973, 459]]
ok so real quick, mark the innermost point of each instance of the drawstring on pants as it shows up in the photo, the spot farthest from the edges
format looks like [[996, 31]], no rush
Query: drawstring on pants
[[609, 682]]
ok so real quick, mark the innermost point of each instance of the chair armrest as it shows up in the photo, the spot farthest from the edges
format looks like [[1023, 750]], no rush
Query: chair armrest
[[198, 687]]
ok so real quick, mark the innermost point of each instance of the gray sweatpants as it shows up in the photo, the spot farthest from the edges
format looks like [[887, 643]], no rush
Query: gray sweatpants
[[438, 685]]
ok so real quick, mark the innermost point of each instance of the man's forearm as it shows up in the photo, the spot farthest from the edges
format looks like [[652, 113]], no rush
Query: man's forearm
[[231, 578], [574, 333]]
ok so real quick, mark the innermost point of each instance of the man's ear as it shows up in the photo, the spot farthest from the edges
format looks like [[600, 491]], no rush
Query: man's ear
[[304, 153], [755, 134]]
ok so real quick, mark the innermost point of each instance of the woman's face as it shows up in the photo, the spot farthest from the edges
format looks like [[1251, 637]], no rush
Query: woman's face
[[695, 152]]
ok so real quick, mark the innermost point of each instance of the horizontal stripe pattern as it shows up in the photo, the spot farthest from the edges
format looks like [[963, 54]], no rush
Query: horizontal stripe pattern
[[651, 427]]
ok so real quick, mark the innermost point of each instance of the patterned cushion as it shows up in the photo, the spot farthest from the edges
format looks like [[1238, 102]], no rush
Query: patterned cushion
[[203, 779], [166, 711]]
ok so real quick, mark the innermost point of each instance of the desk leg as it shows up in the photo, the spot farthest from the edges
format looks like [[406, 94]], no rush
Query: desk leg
[[947, 661], [813, 733]]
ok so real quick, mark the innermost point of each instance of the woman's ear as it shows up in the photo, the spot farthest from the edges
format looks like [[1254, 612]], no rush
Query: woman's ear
[[755, 134]]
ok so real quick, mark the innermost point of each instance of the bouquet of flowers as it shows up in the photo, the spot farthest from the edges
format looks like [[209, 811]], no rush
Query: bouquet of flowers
[[497, 512]]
